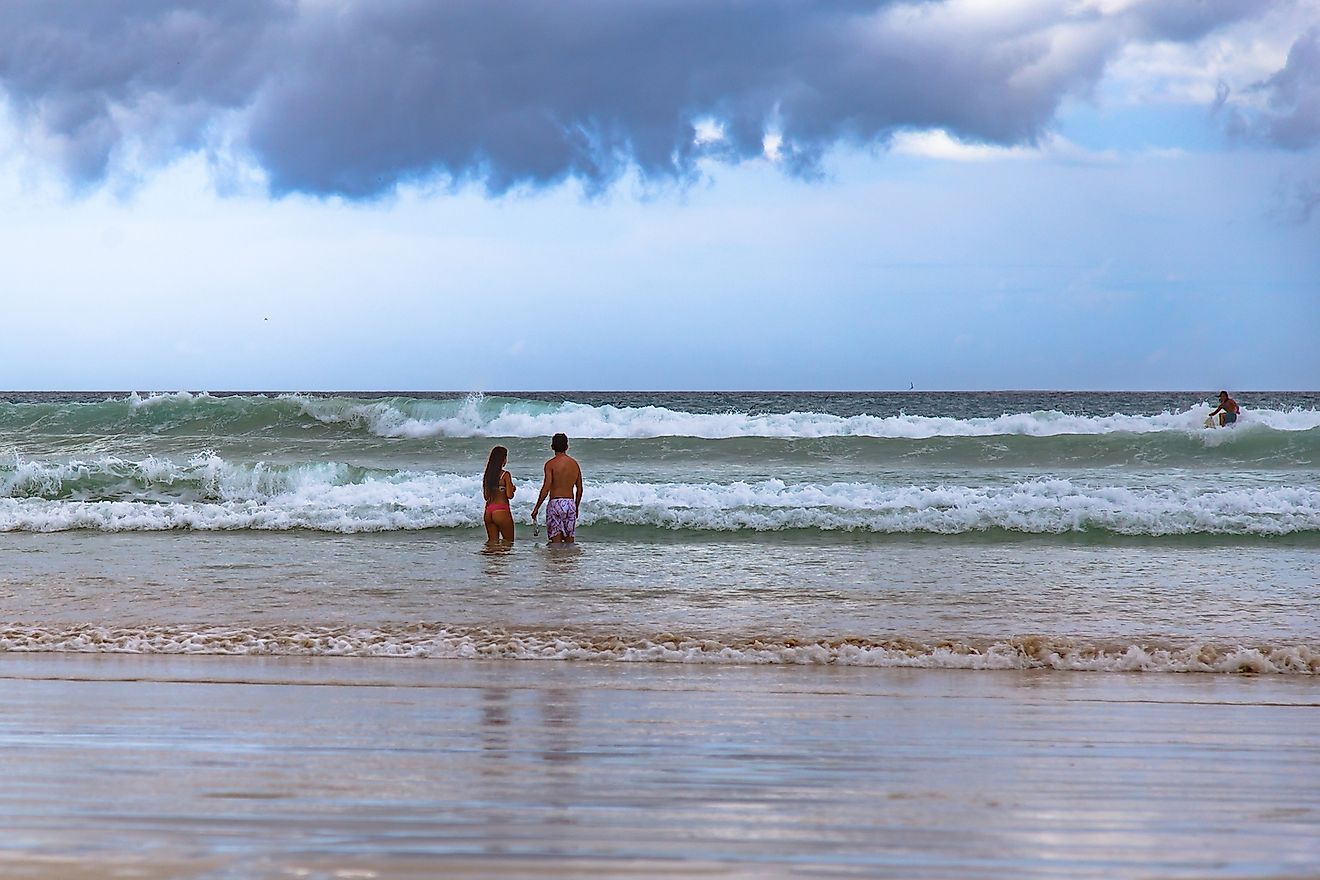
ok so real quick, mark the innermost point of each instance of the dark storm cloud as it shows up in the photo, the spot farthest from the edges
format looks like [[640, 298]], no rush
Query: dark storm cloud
[[1293, 117], [353, 97], [88, 75], [1288, 118]]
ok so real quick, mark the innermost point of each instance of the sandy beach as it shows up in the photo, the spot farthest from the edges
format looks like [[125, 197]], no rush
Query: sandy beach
[[142, 766]]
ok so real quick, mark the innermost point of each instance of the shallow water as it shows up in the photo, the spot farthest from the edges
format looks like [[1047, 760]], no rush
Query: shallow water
[[932, 601]]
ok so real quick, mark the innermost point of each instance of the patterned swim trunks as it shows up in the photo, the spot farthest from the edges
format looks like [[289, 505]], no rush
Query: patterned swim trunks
[[561, 518]]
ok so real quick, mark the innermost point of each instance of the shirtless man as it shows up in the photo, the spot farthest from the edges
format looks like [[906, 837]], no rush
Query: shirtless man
[[1228, 409], [563, 484]]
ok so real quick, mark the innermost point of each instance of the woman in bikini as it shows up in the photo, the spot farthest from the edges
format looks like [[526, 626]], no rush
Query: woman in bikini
[[497, 489]]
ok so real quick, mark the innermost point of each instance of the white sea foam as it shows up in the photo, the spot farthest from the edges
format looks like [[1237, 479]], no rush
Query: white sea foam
[[211, 494], [484, 417], [208, 492], [1035, 506], [138, 401], [436, 641], [205, 475]]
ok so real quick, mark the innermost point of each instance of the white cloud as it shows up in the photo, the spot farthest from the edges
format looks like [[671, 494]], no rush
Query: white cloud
[[1239, 55], [939, 144], [708, 131]]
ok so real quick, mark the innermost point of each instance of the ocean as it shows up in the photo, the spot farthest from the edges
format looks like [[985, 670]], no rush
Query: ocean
[[1101, 532]]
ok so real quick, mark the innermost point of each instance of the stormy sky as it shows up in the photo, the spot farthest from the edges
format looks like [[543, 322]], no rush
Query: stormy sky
[[682, 193]]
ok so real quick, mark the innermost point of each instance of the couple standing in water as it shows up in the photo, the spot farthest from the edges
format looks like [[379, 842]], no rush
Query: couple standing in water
[[563, 486]]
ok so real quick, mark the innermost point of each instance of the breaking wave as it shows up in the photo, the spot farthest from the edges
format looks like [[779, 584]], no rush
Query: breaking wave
[[494, 416], [208, 492], [478, 416]]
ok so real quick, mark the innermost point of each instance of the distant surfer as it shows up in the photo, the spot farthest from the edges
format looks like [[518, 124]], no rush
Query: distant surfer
[[563, 486], [1227, 410], [497, 488]]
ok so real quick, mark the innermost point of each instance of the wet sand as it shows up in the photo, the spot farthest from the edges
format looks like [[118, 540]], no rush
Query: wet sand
[[215, 767]]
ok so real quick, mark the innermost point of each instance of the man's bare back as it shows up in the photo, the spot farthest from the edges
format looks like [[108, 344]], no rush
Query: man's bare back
[[564, 477]]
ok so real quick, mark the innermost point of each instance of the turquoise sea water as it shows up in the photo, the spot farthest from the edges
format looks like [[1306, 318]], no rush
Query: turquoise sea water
[[1071, 530]]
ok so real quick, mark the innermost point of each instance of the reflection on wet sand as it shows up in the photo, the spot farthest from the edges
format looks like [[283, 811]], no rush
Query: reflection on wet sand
[[272, 767]]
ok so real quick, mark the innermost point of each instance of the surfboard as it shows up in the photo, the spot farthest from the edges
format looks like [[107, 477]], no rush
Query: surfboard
[[1210, 421]]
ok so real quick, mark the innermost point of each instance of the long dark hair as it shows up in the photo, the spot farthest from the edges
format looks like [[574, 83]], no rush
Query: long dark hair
[[494, 467]]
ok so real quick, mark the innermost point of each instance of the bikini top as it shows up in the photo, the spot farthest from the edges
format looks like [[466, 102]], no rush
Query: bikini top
[[498, 494]]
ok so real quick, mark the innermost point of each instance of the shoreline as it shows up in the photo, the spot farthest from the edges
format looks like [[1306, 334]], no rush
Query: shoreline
[[431, 641], [155, 766]]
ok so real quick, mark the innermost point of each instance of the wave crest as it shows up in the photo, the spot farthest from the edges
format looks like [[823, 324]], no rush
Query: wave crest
[[208, 492], [478, 415]]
